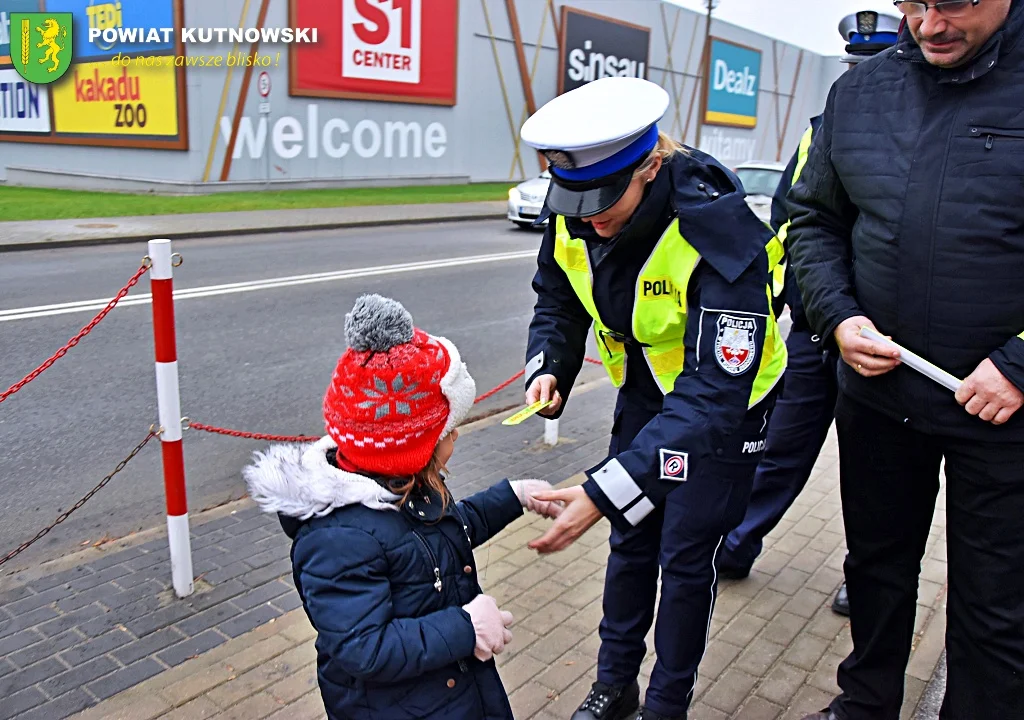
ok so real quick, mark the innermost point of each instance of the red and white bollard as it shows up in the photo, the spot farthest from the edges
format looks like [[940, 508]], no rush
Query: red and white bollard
[[169, 404]]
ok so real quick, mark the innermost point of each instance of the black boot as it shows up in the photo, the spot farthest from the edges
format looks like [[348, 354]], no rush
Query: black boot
[[823, 715], [841, 605], [609, 702], [729, 568]]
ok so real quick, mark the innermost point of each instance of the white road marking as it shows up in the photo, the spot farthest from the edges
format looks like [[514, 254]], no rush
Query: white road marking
[[39, 311]]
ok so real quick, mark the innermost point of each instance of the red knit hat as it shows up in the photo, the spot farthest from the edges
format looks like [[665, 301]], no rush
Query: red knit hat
[[396, 391]]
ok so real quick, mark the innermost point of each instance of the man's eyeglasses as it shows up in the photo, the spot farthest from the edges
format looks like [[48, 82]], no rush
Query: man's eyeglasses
[[949, 8]]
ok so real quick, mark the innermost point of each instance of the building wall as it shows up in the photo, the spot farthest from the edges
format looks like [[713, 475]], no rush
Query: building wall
[[476, 139]]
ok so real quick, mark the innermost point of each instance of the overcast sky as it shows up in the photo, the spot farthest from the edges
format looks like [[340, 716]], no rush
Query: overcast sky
[[812, 24]]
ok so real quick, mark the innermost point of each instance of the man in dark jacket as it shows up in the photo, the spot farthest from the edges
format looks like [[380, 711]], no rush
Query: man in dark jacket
[[908, 218]]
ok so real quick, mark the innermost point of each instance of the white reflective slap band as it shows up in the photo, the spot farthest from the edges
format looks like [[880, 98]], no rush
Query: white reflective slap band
[[534, 365], [639, 511], [617, 484]]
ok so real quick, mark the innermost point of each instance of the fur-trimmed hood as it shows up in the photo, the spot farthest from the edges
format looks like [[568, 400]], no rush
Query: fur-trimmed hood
[[299, 482]]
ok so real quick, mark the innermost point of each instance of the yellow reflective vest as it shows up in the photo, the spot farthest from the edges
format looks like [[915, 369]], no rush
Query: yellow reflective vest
[[660, 310]]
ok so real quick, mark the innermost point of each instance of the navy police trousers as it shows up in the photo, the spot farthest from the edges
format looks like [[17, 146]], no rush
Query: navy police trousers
[[799, 427], [681, 538]]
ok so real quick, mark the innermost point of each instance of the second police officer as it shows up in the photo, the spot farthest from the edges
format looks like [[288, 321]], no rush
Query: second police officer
[[651, 245], [806, 405]]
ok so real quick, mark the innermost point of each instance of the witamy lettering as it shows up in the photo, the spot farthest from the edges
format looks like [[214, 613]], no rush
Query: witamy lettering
[[96, 88], [736, 83], [125, 35]]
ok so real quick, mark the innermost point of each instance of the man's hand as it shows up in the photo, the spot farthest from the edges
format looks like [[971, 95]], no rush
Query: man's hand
[[543, 388], [988, 394], [578, 516], [867, 357]]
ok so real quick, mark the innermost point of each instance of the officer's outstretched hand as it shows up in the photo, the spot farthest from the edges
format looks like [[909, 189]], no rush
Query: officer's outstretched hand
[[578, 516], [543, 388], [988, 394], [867, 357]]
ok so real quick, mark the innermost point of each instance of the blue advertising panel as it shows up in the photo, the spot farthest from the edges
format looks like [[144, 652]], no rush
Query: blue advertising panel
[[6, 8], [734, 73], [133, 26]]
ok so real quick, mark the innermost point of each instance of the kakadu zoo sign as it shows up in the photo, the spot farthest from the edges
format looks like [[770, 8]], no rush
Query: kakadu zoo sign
[[595, 46]]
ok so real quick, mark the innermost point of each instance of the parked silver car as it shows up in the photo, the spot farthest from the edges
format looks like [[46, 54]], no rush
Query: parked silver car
[[526, 199], [760, 180]]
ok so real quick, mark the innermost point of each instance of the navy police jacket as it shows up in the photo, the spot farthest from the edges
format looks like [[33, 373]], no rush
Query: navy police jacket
[[384, 587], [909, 212], [705, 419]]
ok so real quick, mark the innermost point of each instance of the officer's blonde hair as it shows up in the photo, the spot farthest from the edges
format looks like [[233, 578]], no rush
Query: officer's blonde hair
[[665, 148]]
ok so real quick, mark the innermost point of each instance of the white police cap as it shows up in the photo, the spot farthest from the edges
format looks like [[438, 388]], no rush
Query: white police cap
[[867, 33], [594, 137]]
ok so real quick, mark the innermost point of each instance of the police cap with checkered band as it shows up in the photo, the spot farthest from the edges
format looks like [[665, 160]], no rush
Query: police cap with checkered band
[[594, 137], [867, 34]]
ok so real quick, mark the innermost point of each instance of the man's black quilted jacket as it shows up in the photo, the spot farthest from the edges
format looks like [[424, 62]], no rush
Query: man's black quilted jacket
[[911, 211]]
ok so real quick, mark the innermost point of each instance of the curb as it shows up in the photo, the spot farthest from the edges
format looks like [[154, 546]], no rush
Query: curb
[[262, 230]]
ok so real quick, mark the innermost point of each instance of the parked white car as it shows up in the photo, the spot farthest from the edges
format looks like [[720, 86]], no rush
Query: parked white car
[[760, 180], [526, 199]]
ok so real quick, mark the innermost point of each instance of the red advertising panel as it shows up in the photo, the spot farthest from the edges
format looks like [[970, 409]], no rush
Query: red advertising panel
[[387, 50]]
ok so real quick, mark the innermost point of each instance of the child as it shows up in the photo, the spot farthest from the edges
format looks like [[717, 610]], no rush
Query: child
[[382, 558]]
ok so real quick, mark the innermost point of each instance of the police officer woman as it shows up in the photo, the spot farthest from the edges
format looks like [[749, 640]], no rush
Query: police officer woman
[[652, 245]]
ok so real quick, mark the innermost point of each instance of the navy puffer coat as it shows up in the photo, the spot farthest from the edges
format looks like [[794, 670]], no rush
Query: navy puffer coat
[[384, 587]]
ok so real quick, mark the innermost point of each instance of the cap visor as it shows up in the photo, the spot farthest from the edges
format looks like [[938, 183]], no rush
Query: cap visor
[[585, 203]]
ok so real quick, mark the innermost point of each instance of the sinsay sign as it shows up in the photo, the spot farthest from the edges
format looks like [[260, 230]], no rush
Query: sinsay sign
[[595, 46]]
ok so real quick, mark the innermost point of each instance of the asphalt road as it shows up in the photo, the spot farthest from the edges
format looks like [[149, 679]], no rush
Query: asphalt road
[[257, 360]]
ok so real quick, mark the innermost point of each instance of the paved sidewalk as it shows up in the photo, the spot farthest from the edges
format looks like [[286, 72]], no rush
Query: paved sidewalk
[[774, 647], [28, 235]]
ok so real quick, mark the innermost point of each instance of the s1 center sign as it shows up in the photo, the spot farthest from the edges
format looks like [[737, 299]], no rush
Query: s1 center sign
[[385, 50]]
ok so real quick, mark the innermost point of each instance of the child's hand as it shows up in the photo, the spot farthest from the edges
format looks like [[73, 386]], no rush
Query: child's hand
[[525, 491], [491, 626]]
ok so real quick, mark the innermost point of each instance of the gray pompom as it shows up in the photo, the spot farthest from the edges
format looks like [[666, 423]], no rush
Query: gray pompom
[[377, 323]]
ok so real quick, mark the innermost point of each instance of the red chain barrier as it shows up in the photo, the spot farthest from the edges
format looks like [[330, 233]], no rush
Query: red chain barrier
[[303, 438], [75, 340], [248, 435]]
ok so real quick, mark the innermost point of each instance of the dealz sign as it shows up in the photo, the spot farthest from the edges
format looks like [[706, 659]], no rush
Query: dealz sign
[[730, 97], [595, 46], [389, 50]]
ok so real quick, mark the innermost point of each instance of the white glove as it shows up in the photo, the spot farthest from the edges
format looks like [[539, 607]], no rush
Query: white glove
[[525, 490], [490, 625]]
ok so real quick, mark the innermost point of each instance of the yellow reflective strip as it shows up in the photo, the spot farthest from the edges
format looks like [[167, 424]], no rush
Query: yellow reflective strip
[[1021, 336], [803, 152], [668, 362]]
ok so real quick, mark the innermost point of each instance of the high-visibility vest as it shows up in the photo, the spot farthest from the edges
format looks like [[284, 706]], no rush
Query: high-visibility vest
[[660, 311], [779, 274]]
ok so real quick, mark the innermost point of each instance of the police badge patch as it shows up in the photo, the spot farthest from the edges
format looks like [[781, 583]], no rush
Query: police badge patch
[[735, 349], [674, 465]]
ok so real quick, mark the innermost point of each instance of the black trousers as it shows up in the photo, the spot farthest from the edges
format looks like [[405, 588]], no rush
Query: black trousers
[[889, 478]]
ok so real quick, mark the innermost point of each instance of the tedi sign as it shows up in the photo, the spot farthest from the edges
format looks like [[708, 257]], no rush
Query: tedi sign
[[595, 46], [730, 98]]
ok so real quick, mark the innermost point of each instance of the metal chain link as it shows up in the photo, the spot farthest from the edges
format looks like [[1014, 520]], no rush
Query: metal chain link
[[77, 338], [190, 425], [153, 432]]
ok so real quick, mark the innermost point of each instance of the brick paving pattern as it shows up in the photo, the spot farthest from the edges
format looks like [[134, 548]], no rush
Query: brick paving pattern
[[112, 631]]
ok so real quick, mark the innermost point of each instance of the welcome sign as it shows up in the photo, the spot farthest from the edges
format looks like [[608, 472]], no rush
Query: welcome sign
[[733, 86]]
